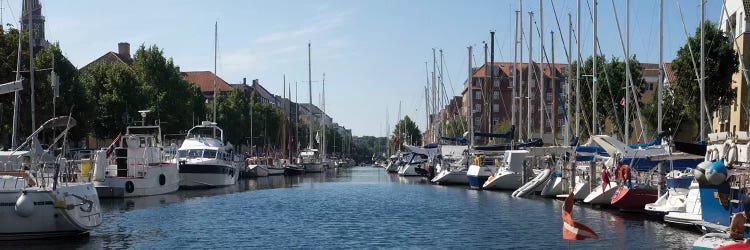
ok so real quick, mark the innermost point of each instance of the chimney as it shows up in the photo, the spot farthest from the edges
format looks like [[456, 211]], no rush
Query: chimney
[[255, 82], [178, 69], [244, 81], [124, 50]]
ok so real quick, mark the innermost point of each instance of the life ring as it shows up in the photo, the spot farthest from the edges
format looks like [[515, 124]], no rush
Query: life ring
[[162, 179], [623, 172], [129, 187]]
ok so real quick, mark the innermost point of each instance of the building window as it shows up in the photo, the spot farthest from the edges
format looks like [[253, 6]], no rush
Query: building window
[[477, 95], [549, 96], [496, 83], [546, 123], [496, 95], [495, 107], [477, 107], [560, 122], [477, 120]]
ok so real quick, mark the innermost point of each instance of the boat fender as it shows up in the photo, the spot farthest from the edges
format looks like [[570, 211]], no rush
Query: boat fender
[[725, 151], [737, 226], [100, 165], [716, 173], [732, 155], [700, 172], [715, 155], [708, 155], [129, 187], [162, 179], [24, 205]]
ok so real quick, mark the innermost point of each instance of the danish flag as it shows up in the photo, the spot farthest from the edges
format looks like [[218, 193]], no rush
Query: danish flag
[[573, 230]]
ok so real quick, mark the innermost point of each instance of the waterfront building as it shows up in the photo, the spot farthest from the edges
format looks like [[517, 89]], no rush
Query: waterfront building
[[205, 81], [735, 24]]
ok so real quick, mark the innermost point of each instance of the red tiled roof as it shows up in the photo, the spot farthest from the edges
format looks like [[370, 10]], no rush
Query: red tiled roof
[[507, 67], [205, 80]]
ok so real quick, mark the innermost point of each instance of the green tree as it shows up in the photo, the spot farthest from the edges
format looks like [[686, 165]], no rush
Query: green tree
[[116, 95], [176, 102], [721, 63], [407, 132], [456, 127]]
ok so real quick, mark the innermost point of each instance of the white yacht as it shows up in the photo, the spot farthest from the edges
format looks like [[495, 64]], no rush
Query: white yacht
[[204, 160], [48, 196], [311, 161], [138, 167], [508, 175]]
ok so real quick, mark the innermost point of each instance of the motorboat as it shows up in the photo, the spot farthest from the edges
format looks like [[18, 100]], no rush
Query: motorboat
[[482, 167], [278, 166], [690, 213], [204, 160], [675, 197], [138, 166]]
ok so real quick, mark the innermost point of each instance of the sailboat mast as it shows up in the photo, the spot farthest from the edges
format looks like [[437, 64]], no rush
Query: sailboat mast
[[627, 71], [283, 121], [569, 80], [324, 148], [529, 82], [541, 84], [216, 46], [31, 67], [660, 80], [594, 116], [470, 116], [17, 98], [578, 71], [703, 72], [309, 88], [521, 98], [515, 76]]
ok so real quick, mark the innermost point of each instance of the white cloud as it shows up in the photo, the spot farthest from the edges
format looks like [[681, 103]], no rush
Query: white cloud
[[321, 23]]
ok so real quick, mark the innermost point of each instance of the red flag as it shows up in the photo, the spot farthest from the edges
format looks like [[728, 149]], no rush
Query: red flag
[[573, 230], [113, 145], [622, 101]]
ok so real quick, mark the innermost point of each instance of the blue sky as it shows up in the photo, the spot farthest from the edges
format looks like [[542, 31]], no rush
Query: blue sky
[[372, 51]]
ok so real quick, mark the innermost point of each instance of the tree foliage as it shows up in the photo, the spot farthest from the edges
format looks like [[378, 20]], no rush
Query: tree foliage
[[407, 132], [721, 62]]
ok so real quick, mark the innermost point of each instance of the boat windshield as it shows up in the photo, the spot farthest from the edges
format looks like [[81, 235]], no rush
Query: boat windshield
[[190, 153], [209, 153]]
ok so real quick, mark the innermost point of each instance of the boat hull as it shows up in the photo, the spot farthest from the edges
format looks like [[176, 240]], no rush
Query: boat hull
[[69, 210], [553, 187], [599, 197], [477, 176], [504, 181], [313, 168], [205, 175], [633, 199], [156, 180], [447, 177], [409, 170], [276, 171]]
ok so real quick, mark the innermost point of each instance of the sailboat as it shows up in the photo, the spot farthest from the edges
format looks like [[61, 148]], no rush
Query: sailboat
[[310, 158], [43, 201]]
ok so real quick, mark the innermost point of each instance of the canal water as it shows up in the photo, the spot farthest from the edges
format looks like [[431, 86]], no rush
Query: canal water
[[362, 207]]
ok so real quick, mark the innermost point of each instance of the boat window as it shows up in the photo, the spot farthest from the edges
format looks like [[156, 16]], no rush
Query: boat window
[[208, 153], [195, 153], [182, 153]]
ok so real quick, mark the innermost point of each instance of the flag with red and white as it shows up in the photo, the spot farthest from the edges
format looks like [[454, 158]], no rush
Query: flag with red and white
[[113, 145], [622, 101], [572, 230]]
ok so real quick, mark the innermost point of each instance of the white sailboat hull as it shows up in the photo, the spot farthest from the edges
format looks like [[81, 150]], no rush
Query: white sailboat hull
[[68, 210], [553, 187], [503, 181], [451, 177], [599, 197]]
